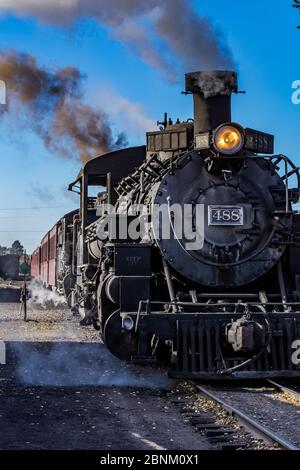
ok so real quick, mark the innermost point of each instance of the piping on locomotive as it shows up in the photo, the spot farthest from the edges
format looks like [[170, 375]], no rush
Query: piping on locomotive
[[230, 308]]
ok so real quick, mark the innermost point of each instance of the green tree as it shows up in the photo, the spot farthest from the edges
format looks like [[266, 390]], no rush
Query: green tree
[[3, 250], [17, 248]]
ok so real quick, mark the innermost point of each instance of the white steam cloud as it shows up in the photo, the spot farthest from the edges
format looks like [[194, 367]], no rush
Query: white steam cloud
[[42, 297], [129, 115]]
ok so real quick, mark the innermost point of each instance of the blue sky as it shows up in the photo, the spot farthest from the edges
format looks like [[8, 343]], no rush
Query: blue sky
[[265, 44]]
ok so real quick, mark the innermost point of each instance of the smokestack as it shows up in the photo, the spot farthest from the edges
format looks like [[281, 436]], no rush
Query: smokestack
[[212, 97]]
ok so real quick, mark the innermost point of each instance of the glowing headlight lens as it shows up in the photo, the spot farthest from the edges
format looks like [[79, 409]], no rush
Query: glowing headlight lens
[[228, 140]]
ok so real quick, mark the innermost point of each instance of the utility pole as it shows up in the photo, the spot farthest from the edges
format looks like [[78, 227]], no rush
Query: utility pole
[[24, 269]]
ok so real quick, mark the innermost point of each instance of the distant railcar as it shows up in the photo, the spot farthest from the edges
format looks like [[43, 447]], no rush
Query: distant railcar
[[51, 261], [36, 263]]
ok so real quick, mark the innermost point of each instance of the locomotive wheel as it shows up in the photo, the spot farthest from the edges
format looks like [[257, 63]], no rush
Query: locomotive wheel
[[86, 315], [122, 344], [68, 284], [105, 306]]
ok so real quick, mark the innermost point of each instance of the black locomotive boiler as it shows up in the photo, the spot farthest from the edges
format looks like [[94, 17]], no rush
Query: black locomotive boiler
[[230, 307]]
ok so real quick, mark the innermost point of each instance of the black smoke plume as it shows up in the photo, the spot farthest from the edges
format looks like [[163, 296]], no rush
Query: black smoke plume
[[167, 34], [52, 105]]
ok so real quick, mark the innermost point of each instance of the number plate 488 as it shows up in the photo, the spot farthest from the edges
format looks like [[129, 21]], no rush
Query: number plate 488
[[225, 215]]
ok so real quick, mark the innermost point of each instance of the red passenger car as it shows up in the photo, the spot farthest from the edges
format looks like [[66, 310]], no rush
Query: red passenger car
[[52, 260], [36, 263], [51, 280], [43, 259]]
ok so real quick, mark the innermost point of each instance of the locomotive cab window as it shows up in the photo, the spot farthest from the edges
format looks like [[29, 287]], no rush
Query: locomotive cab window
[[97, 195]]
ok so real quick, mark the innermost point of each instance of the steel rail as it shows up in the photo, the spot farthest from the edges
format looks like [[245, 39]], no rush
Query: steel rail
[[251, 424], [283, 388]]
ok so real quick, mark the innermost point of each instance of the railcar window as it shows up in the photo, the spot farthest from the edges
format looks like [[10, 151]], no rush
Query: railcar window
[[97, 192]]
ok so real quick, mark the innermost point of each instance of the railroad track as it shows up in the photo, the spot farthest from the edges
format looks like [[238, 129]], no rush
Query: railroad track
[[251, 424], [284, 388]]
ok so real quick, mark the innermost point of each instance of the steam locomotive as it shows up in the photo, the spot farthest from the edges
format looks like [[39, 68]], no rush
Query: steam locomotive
[[221, 299]]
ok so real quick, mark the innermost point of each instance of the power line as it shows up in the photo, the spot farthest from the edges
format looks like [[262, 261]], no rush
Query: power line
[[22, 231], [34, 208]]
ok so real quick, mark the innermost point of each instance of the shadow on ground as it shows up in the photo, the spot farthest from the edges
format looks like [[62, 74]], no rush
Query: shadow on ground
[[10, 294]]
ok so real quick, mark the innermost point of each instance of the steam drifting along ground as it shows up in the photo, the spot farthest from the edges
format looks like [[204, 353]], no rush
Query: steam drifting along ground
[[53, 349], [61, 389]]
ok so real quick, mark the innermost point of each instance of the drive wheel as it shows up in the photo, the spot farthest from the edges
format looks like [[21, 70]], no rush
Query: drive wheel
[[121, 343], [105, 306]]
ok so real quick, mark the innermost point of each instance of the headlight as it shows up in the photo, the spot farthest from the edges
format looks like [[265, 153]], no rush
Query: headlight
[[127, 323], [229, 139]]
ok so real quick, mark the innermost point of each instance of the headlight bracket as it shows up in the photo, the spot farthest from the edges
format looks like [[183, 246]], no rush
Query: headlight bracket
[[255, 141]]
